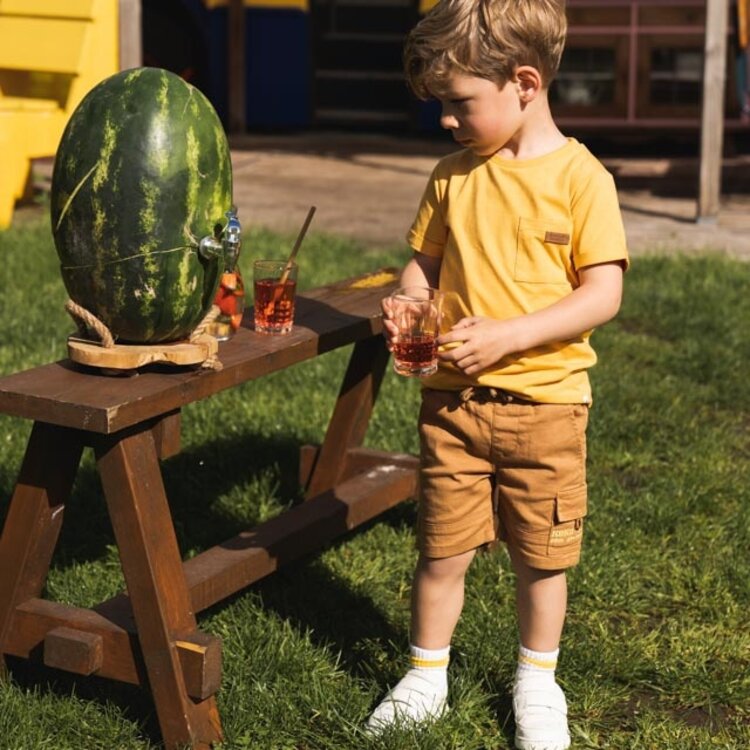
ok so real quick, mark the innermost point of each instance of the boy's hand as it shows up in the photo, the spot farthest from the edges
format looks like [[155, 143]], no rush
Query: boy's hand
[[478, 343], [390, 330]]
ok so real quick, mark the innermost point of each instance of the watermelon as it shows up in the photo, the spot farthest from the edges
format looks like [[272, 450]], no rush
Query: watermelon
[[141, 185]]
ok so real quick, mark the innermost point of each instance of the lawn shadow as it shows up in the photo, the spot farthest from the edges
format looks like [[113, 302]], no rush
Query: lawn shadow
[[501, 705], [335, 616], [193, 480], [133, 703]]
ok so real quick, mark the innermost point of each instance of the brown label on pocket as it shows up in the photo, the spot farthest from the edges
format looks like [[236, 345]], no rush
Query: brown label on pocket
[[557, 238]]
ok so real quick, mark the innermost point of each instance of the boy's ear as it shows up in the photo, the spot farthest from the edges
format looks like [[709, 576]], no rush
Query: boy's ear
[[528, 82]]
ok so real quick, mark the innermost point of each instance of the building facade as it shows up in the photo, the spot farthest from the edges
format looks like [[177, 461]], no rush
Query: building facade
[[632, 65]]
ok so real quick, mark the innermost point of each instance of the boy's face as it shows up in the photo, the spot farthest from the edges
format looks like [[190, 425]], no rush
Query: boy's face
[[482, 115]]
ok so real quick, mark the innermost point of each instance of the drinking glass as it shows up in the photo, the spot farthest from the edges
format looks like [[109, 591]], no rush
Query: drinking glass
[[274, 285], [416, 312]]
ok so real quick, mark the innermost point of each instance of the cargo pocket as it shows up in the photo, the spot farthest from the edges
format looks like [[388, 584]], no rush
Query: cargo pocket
[[570, 510], [542, 252]]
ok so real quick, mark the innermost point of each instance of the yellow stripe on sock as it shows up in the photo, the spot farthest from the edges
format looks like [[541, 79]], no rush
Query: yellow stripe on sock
[[428, 663], [541, 663]]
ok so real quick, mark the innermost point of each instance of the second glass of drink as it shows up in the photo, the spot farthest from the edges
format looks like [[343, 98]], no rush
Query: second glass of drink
[[274, 286], [415, 311]]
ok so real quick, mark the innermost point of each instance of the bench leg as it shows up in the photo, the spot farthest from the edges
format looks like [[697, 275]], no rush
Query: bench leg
[[152, 566], [351, 415], [35, 517]]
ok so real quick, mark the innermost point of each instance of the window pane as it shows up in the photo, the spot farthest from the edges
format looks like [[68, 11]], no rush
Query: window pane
[[676, 76], [586, 77]]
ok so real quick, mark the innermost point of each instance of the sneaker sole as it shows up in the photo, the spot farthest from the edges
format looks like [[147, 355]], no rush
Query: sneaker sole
[[404, 722], [527, 745]]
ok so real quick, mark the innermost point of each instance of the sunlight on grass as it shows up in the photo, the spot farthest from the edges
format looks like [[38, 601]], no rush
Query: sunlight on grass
[[656, 653]]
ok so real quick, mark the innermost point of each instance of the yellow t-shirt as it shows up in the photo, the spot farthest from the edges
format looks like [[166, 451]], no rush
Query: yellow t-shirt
[[511, 236]]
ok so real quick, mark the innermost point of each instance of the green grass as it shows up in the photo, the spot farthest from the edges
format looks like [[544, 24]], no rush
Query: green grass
[[656, 652]]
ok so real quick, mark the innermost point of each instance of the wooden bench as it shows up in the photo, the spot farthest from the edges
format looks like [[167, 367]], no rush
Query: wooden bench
[[51, 54], [149, 635]]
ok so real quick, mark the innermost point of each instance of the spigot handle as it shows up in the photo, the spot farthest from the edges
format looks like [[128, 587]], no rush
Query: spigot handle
[[232, 237]]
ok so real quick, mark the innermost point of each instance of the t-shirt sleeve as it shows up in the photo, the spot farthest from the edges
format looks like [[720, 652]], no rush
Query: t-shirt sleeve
[[429, 231], [598, 232]]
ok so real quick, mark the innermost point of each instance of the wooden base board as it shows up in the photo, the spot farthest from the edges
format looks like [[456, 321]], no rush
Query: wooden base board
[[133, 356]]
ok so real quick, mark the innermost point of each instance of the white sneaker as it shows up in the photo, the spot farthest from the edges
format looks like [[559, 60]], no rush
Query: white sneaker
[[414, 700], [541, 714]]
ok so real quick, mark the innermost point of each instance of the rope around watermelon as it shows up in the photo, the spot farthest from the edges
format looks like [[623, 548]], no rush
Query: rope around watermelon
[[85, 319]]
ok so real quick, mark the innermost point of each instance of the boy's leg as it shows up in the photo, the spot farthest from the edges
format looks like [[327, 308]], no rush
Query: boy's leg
[[541, 505], [538, 702], [455, 518], [541, 602], [437, 600]]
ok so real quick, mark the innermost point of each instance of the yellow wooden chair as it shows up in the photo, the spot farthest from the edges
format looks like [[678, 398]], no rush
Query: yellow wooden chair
[[52, 52]]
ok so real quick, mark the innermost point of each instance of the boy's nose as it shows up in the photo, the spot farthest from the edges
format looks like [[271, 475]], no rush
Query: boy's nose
[[448, 121]]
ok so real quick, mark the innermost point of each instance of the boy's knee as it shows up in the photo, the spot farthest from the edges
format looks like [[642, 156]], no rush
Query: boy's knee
[[445, 567], [529, 571]]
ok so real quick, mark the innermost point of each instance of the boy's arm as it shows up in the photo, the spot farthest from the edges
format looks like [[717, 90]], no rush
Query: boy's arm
[[421, 270], [485, 341]]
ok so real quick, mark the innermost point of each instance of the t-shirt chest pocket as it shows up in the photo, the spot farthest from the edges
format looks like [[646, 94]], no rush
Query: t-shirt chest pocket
[[542, 252]]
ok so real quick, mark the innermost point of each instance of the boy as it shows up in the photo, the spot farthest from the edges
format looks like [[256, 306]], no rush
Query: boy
[[523, 226]]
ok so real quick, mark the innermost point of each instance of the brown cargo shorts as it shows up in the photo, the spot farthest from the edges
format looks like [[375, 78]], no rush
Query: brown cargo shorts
[[494, 466]]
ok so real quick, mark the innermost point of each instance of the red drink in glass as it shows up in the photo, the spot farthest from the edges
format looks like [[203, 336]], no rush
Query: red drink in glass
[[274, 283], [415, 355], [415, 311], [274, 305]]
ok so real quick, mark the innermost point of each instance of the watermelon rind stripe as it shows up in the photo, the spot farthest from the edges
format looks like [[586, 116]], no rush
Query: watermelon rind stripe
[[73, 195]]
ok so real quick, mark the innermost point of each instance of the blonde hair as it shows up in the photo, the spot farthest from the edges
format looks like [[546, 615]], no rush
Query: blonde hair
[[484, 38]]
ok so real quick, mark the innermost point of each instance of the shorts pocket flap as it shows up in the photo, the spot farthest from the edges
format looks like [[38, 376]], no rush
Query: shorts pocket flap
[[571, 504]]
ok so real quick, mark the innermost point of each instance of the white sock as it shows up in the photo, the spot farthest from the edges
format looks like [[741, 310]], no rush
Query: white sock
[[431, 665], [536, 663]]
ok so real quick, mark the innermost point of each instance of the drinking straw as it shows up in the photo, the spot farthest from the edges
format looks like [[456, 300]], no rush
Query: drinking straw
[[298, 242], [279, 286]]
